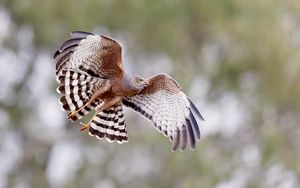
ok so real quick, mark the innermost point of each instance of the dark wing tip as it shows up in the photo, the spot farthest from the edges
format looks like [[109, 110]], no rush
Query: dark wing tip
[[79, 34], [65, 51], [184, 138], [191, 134], [69, 43], [194, 108], [176, 140], [76, 37], [194, 124], [62, 58], [56, 54]]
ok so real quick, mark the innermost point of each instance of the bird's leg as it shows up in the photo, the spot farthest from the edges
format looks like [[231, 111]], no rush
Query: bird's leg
[[97, 94], [72, 114], [99, 108]]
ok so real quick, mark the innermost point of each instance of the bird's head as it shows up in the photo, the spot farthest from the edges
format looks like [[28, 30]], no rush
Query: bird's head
[[138, 83], [134, 84]]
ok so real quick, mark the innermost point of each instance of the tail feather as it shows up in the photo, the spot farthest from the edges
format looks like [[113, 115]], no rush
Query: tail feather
[[116, 125], [122, 132], [110, 124]]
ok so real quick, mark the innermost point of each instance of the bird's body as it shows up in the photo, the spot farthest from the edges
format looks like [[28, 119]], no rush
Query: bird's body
[[92, 77]]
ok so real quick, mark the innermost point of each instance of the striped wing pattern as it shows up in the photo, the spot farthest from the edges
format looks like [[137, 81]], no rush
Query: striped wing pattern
[[110, 124], [171, 112], [98, 56], [76, 89]]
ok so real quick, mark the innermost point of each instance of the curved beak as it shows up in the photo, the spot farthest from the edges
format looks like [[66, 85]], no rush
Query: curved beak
[[146, 83]]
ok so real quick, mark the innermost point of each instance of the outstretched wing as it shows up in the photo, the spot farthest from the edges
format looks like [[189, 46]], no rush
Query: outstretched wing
[[85, 63], [171, 112], [95, 55]]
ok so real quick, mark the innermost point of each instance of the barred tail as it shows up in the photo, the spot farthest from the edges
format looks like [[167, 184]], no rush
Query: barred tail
[[110, 123]]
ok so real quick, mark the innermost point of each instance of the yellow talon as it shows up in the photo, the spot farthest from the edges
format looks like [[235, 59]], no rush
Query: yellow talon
[[84, 126], [71, 114]]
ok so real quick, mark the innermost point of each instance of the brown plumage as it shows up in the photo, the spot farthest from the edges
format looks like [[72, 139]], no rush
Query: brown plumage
[[92, 78]]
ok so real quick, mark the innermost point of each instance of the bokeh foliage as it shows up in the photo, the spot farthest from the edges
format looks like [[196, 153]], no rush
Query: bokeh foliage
[[245, 49]]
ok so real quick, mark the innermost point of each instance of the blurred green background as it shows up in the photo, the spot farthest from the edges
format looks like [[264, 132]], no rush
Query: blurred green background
[[237, 60]]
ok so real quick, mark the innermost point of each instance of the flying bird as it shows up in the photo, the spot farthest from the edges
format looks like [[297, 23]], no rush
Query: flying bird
[[92, 78]]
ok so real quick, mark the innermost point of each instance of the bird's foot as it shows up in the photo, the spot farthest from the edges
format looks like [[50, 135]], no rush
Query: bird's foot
[[71, 114], [84, 126]]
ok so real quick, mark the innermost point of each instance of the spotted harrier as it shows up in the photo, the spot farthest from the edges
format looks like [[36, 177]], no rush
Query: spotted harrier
[[92, 78]]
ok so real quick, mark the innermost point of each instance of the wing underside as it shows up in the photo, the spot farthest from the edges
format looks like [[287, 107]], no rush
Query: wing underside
[[170, 111]]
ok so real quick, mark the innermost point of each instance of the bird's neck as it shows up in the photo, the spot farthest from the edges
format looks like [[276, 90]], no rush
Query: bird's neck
[[128, 85], [127, 81]]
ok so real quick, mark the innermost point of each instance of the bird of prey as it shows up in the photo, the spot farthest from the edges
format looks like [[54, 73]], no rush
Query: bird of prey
[[92, 79]]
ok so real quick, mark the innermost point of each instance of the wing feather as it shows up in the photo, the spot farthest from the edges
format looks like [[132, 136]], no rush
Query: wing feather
[[183, 138], [169, 109], [80, 34], [76, 89], [194, 108], [93, 54], [176, 140], [194, 125], [191, 134], [70, 42]]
